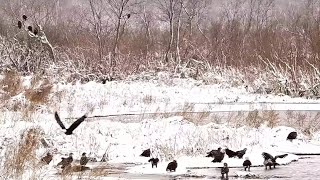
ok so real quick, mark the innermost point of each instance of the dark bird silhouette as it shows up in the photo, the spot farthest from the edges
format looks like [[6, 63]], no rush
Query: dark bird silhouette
[[19, 24], [230, 153], [292, 135], [247, 164], [83, 160], [24, 17], [66, 162], [216, 154], [269, 160], [154, 162], [238, 154], [281, 156], [35, 31], [30, 28], [47, 159], [172, 166], [241, 153], [213, 152], [225, 170], [73, 125], [146, 153], [128, 15], [104, 158]]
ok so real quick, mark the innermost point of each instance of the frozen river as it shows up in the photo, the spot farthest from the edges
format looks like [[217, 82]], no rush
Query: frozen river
[[307, 168]]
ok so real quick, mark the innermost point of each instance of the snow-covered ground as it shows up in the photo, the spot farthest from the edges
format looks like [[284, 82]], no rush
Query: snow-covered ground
[[163, 95], [169, 137]]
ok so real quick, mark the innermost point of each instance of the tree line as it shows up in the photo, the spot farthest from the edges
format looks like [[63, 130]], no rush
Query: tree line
[[123, 37]]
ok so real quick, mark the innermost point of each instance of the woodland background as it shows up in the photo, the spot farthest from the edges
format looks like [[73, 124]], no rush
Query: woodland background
[[276, 41]]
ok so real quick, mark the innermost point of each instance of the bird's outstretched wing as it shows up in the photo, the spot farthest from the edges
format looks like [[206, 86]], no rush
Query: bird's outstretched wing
[[213, 153], [230, 153], [146, 153], [77, 123], [281, 156], [59, 120]]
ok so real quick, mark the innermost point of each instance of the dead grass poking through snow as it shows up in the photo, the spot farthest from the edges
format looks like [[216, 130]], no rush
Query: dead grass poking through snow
[[28, 112], [271, 117], [194, 117], [198, 118], [148, 99], [256, 118], [306, 122], [253, 119], [98, 173], [22, 157], [11, 84], [89, 174], [39, 92], [167, 151]]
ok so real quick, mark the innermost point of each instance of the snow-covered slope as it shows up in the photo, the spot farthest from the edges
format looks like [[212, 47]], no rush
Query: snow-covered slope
[[169, 136], [162, 95]]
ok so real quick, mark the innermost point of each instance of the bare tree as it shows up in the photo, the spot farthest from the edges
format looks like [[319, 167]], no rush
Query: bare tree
[[195, 12], [122, 10], [96, 7], [147, 18], [167, 7], [177, 48]]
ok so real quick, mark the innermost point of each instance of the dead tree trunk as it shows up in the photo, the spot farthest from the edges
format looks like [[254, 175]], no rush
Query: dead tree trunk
[[118, 9], [171, 18], [177, 58], [97, 23]]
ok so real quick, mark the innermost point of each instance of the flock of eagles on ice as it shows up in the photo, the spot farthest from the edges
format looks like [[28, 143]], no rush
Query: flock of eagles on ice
[[217, 155]]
